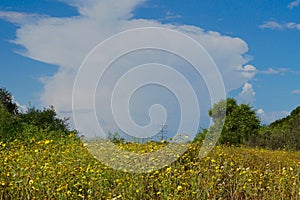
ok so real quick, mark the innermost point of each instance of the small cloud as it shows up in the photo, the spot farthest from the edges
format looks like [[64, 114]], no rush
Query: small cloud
[[271, 71], [248, 71], [260, 111], [271, 25], [294, 4], [279, 26], [291, 25], [247, 95], [269, 117], [170, 15], [296, 91]]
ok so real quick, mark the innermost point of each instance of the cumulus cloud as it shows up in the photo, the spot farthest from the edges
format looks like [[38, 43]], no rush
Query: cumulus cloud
[[294, 4], [248, 71], [247, 94], [279, 26], [66, 41]]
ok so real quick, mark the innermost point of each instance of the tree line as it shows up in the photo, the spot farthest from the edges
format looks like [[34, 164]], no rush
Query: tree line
[[242, 126], [31, 124], [239, 122]]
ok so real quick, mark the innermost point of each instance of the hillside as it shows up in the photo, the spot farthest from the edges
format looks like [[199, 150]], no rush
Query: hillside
[[281, 134]]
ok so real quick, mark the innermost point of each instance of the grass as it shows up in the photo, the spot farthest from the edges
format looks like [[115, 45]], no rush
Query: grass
[[64, 169]]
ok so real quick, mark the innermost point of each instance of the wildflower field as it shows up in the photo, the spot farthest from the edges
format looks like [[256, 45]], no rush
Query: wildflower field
[[64, 169]]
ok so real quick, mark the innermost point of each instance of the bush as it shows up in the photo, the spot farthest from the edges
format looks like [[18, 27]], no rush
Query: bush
[[45, 119]]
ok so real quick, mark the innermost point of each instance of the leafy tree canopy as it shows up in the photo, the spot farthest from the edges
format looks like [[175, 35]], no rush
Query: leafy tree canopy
[[6, 99], [241, 121]]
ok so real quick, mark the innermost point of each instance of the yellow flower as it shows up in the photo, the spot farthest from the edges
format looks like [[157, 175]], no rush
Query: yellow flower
[[47, 141], [169, 169], [179, 188]]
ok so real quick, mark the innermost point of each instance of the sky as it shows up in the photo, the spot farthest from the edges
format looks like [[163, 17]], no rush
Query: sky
[[254, 45]]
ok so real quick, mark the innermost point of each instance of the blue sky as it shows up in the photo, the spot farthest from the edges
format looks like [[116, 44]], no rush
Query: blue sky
[[269, 30]]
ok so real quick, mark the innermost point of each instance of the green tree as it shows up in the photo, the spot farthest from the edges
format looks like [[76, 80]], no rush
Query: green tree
[[282, 134], [241, 122], [6, 100], [45, 119], [8, 124]]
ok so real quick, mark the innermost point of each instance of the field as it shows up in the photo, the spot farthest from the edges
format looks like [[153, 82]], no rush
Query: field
[[64, 169]]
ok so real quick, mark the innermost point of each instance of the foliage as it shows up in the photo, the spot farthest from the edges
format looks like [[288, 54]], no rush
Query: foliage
[[6, 100], [201, 135], [241, 122], [8, 123], [45, 119], [115, 138], [14, 124], [281, 134]]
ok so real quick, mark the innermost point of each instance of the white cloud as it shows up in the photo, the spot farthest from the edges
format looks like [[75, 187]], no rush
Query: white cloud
[[260, 111], [280, 26], [171, 15], [19, 18], [248, 71], [271, 71], [22, 108], [66, 41], [247, 94], [294, 4], [269, 117], [296, 91], [271, 25], [278, 71]]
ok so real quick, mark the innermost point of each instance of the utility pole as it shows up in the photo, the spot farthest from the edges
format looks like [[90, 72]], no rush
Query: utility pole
[[163, 131]]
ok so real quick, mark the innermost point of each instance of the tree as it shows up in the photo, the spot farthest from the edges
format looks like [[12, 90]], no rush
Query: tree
[[45, 119], [283, 133], [6, 100], [241, 122]]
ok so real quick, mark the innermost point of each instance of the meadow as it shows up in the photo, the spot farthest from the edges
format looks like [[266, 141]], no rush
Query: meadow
[[49, 168]]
